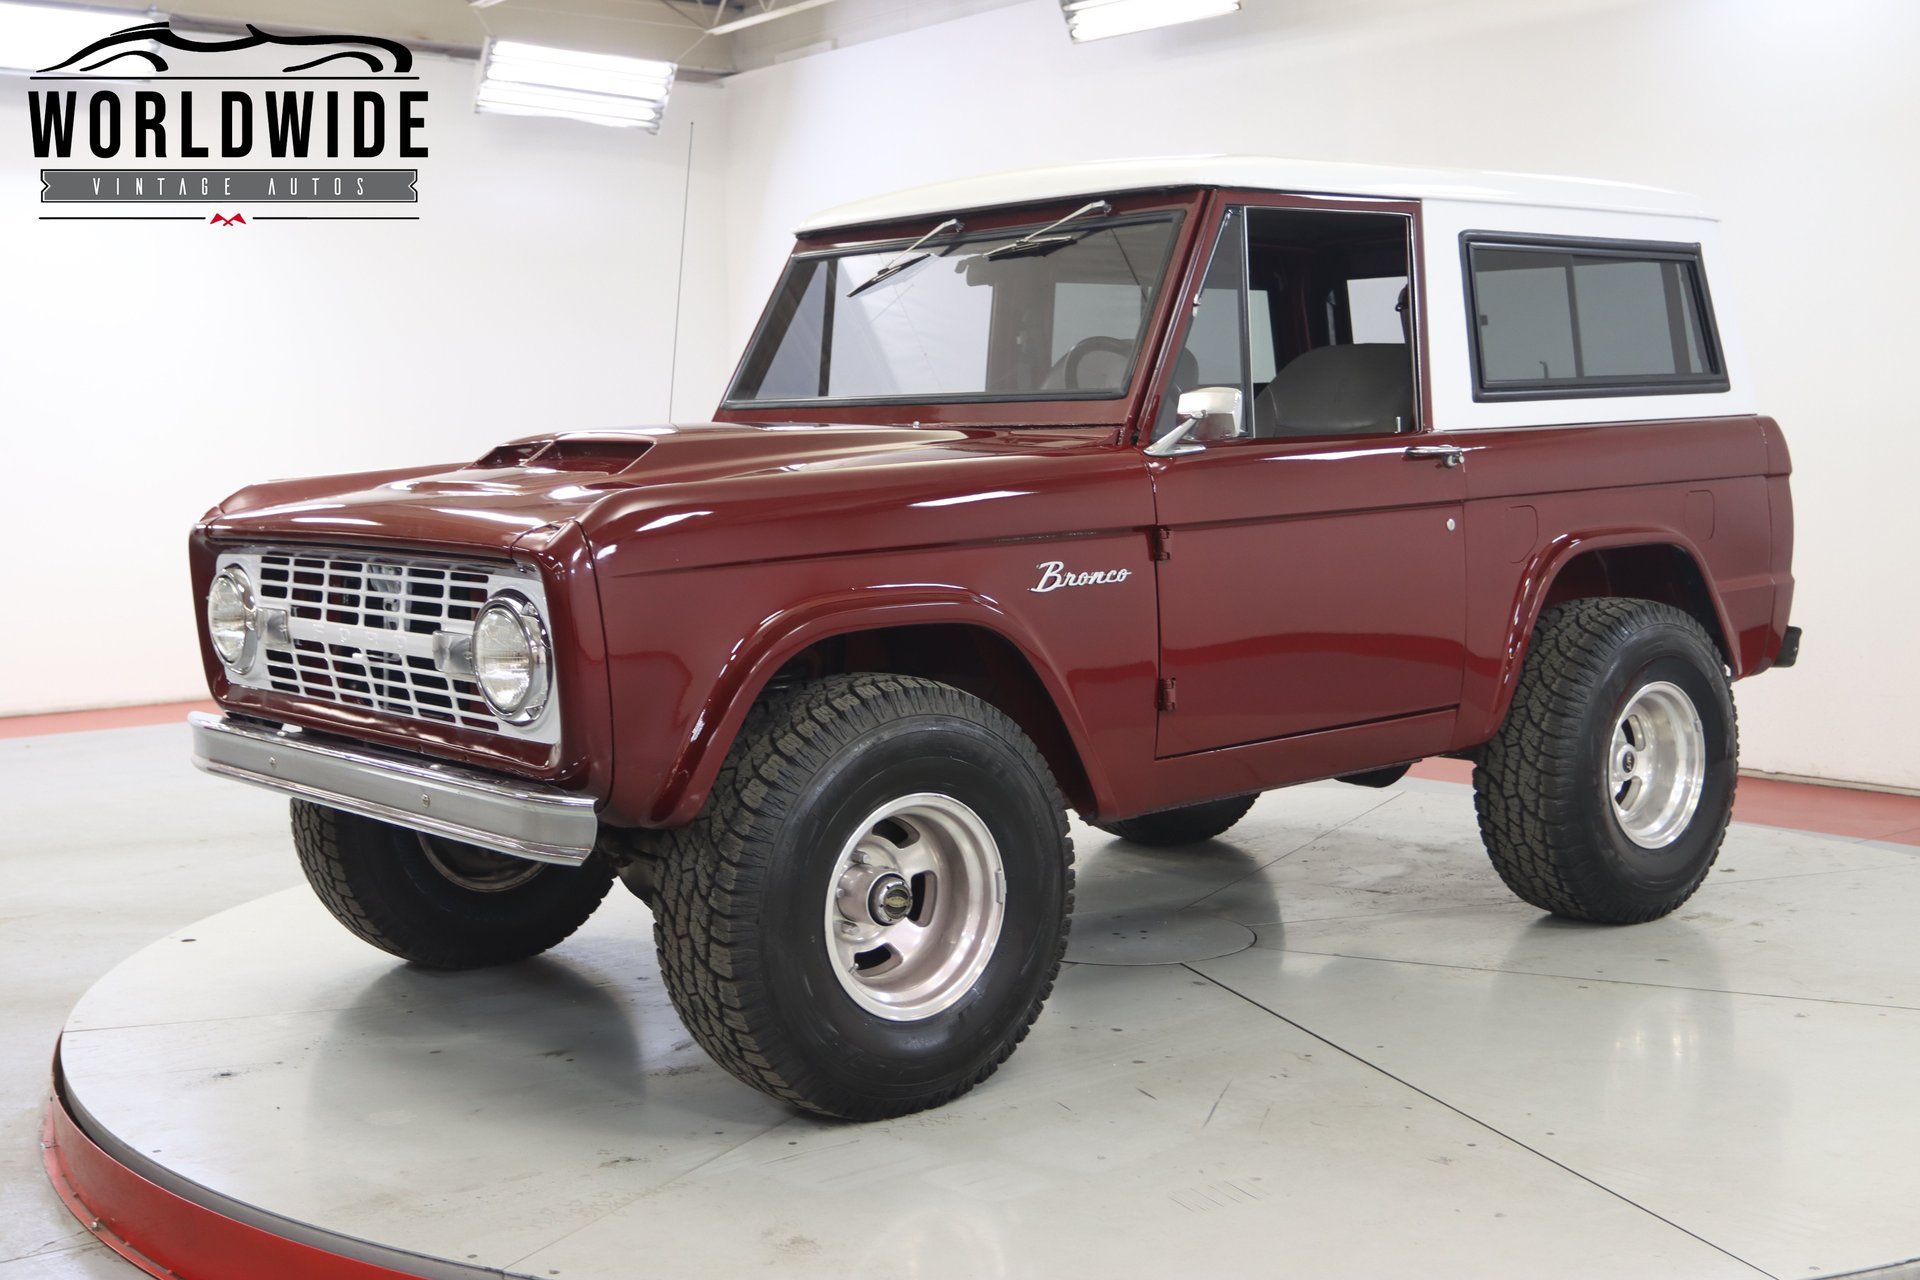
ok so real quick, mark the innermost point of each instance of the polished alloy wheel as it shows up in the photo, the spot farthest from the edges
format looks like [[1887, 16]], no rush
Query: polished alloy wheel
[[914, 906], [1657, 765], [476, 869]]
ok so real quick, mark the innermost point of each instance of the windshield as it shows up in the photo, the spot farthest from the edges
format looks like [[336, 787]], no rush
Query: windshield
[[991, 316]]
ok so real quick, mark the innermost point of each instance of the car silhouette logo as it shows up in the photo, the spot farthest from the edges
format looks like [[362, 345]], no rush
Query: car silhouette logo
[[138, 42]]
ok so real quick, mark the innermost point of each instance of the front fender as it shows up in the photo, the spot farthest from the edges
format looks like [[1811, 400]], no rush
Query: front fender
[[670, 762]]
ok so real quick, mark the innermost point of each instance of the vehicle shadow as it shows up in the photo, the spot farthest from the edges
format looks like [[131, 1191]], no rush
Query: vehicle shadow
[[487, 1028], [1136, 904]]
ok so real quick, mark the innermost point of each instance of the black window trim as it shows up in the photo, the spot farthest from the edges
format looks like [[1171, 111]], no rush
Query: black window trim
[[1604, 385], [850, 249]]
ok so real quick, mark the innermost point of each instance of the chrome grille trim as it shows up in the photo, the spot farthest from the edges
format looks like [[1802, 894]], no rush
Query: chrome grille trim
[[360, 628]]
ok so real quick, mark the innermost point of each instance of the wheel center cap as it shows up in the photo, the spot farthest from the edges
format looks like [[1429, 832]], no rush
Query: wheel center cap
[[890, 899], [1626, 761]]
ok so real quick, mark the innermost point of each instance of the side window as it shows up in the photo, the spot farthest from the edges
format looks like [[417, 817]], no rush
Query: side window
[[1215, 353], [1589, 318], [1330, 322]]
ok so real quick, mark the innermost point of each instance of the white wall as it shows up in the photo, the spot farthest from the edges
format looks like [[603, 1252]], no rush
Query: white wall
[[1793, 119], [146, 370]]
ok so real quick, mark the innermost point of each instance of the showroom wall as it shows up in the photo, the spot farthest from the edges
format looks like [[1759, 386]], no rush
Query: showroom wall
[[1731, 99], [148, 369]]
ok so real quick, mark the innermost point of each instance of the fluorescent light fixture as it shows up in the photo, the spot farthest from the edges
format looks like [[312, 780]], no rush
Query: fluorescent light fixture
[[603, 88], [1098, 19], [36, 36]]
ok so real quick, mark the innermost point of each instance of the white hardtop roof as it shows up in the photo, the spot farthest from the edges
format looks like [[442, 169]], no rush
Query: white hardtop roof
[[1264, 173]]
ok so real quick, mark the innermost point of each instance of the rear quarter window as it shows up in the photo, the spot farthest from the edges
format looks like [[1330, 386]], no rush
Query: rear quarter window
[[1549, 319]]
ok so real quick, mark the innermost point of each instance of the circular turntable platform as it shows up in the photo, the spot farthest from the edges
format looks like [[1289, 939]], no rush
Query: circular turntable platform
[[1329, 1044]]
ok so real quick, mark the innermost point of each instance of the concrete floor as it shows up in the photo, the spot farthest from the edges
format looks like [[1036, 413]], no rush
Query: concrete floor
[[108, 840], [1327, 1045]]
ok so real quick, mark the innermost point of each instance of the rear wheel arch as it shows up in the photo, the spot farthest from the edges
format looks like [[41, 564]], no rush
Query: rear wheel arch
[[1649, 564], [1662, 571]]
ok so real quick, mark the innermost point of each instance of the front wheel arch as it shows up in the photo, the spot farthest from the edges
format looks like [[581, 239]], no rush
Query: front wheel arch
[[953, 642]]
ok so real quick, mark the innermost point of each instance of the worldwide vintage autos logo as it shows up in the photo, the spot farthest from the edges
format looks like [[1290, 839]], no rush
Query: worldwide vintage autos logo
[[150, 101]]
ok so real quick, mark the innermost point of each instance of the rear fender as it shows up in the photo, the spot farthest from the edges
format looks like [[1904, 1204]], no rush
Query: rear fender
[[1485, 704]]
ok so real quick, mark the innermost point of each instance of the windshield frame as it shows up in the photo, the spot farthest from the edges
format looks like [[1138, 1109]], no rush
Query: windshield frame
[[1045, 408]]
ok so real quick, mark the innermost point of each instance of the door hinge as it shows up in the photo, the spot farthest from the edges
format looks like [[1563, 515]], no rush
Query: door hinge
[[1159, 538], [1165, 700]]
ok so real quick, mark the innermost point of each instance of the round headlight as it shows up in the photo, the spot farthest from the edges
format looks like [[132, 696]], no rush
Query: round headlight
[[230, 617], [511, 658]]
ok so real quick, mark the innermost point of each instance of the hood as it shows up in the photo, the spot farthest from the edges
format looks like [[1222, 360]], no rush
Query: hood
[[645, 479]]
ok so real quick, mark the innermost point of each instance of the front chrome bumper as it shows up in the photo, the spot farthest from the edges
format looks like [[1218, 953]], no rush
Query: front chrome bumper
[[506, 815]]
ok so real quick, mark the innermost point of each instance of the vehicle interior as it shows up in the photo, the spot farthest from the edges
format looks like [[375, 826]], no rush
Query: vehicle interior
[[1308, 313]]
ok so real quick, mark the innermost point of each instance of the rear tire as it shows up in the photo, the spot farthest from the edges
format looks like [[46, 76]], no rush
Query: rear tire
[[1189, 824], [1606, 794], [437, 902], [869, 913]]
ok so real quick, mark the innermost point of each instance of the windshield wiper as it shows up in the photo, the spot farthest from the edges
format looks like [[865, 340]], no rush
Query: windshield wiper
[[1042, 242], [907, 258]]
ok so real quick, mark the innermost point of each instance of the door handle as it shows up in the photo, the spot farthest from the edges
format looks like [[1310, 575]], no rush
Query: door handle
[[1449, 455]]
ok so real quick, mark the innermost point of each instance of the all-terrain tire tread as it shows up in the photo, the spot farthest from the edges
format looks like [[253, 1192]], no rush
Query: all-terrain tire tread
[[1526, 784], [706, 935], [320, 839]]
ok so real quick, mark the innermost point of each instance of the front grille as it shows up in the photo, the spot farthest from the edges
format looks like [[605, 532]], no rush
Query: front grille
[[361, 626]]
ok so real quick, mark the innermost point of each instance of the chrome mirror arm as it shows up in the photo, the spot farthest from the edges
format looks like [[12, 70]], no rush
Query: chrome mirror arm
[[1194, 408], [1175, 442]]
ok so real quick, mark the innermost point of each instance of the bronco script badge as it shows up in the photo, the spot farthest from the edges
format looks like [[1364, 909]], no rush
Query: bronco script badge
[[1054, 575]]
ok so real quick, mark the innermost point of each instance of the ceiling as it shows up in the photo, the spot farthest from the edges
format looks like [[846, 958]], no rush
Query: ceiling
[[672, 30]]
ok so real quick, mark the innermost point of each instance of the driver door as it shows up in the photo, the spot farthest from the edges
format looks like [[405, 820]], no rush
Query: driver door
[[1314, 570]]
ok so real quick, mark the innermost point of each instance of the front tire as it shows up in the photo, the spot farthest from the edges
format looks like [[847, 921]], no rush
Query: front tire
[[1607, 792], [438, 902], [870, 912]]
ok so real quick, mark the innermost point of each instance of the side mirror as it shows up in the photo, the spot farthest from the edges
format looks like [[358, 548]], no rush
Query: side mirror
[[1215, 412], [1206, 415]]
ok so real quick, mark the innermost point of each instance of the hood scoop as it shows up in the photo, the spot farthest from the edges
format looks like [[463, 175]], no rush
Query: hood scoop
[[607, 457]]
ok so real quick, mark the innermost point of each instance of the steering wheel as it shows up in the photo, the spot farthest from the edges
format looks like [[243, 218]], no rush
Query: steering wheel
[[1122, 347]]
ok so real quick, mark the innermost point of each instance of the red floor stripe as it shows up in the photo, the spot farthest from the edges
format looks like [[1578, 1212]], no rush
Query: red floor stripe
[[109, 718], [1775, 802]]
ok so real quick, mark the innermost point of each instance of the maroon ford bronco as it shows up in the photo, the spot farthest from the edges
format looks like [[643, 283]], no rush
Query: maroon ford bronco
[[1132, 489]]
